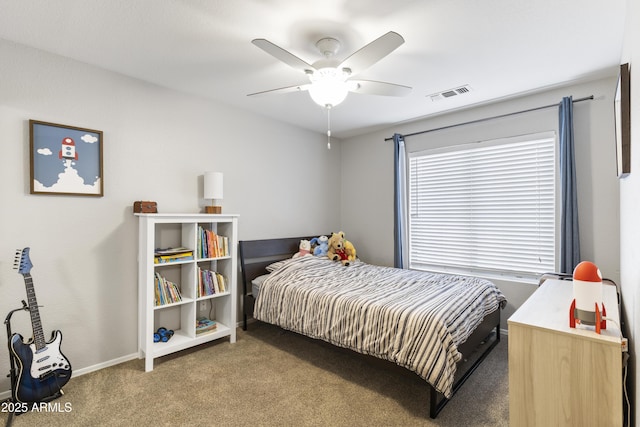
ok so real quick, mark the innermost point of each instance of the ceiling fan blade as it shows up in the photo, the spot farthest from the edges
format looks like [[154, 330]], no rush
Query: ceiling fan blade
[[372, 53], [283, 55], [288, 89], [370, 87]]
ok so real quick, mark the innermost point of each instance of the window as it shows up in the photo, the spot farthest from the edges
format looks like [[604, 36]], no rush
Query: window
[[486, 207]]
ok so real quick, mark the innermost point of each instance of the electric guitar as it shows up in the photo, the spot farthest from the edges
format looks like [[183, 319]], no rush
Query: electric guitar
[[42, 369]]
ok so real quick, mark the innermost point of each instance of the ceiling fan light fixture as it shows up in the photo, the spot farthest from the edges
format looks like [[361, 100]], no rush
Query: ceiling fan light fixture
[[328, 87]]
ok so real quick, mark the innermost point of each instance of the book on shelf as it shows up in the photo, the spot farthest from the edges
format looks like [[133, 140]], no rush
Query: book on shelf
[[166, 292], [171, 251], [205, 325], [221, 282], [211, 245], [210, 282], [163, 256]]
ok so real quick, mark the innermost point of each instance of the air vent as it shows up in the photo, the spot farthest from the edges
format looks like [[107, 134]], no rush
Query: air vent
[[450, 93]]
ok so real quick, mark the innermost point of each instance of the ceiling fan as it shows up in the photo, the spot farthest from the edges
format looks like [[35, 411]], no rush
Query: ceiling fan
[[330, 80]]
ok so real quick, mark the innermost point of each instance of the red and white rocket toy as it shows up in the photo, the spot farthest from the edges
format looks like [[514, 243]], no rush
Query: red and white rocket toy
[[587, 307], [68, 149]]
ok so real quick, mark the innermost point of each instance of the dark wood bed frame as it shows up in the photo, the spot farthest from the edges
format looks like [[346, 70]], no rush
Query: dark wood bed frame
[[256, 255]]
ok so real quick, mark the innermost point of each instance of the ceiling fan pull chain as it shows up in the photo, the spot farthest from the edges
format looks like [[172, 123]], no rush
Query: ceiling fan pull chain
[[328, 127]]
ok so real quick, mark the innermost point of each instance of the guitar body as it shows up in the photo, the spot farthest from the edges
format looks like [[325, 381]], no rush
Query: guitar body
[[41, 374]]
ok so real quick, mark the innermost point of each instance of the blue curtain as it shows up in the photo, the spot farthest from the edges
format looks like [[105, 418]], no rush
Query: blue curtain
[[569, 232], [399, 161]]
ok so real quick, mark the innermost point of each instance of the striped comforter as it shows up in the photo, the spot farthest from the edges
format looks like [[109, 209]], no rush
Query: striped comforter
[[415, 319]]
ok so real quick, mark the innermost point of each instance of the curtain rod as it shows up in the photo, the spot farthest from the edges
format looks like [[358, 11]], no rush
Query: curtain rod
[[489, 118]]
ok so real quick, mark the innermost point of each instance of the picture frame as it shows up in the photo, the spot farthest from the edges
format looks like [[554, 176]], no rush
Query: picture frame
[[65, 160], [622, 105]]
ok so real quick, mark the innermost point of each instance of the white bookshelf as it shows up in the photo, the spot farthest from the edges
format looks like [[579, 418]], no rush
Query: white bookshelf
[[182, 230]]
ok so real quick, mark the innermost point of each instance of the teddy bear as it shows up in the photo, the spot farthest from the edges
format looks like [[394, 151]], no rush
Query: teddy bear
[[305, 249], [338, 249], [350, 250], [320, 245]]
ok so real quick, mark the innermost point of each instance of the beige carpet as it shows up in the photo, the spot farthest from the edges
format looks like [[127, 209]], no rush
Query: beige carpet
[[271, 377]]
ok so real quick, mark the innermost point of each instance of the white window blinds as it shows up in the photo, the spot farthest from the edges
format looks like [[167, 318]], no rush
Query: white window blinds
[[485, 207]]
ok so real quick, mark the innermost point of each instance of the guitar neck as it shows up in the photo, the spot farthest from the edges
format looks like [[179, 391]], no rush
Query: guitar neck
[[36, 323]]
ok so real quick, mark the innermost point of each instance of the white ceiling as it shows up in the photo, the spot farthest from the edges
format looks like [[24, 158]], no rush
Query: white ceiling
[[498, 47]]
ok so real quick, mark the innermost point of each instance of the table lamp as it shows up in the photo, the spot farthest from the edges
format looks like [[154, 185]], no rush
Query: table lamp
[[213, 191], [587, 307]]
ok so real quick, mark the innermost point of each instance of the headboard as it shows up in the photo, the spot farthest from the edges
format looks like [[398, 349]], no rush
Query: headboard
[[256, 255]]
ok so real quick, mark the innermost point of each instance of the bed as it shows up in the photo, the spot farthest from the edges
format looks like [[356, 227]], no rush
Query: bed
[[405, 317]]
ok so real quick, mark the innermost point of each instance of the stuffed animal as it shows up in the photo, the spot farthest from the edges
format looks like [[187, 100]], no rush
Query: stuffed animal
[[350, 250], [320, 245], [314, 244], [337, 250], [305, 249]]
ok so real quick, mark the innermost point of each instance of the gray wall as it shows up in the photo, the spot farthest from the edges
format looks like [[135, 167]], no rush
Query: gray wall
[[157, 145], [367, 172]]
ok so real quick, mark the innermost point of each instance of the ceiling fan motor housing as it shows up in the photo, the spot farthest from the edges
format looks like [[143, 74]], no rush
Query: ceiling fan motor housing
[[328, 46]]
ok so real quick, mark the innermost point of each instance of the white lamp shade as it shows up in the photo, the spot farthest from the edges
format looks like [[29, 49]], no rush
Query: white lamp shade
[[328, 87], [213, 185], [328, 93]]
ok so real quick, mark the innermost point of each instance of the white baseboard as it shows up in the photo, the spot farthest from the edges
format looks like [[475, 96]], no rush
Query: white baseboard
[[76, 373]]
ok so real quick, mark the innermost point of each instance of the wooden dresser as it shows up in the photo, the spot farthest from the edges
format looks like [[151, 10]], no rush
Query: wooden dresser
[[560, 376]]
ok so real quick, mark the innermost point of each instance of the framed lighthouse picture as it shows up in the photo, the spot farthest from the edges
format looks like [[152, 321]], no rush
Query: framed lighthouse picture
[[65, 160]]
